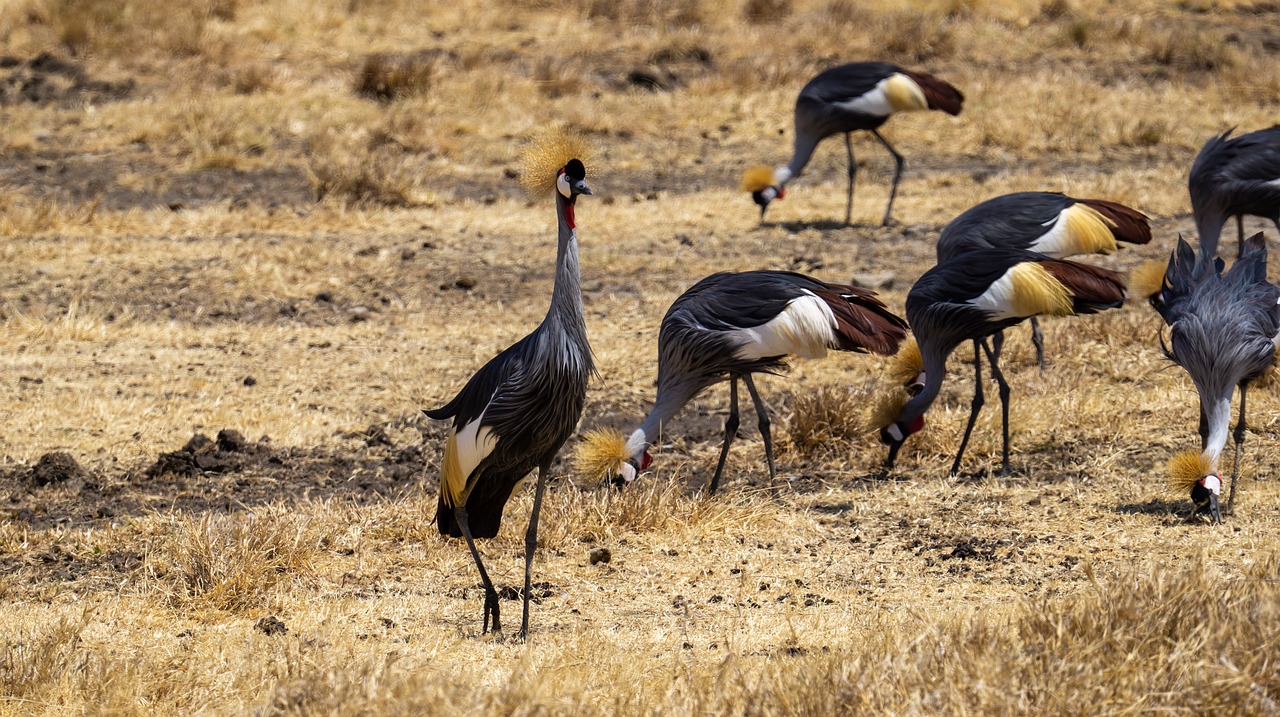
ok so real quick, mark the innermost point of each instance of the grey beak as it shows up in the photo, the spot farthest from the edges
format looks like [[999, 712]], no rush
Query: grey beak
[[582, 188], [1214, 509]]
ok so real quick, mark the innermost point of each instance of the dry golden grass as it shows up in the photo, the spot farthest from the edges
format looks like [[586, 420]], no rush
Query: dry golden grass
[[322, 196]]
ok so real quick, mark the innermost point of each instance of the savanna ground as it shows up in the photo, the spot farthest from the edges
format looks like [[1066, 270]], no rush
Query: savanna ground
[[299, 221]]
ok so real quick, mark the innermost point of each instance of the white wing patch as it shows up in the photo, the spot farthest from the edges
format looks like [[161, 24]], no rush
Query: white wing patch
[[999, 298], [874, 103], [1054, 242], [475, 443], [805, 328]]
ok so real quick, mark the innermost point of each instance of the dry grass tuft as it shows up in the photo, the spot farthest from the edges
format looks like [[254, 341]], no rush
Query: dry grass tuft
[[344, 167], [766, 12], [546, 154], [826, 421], [1190, 48], [1186, 468], [233, 562], [389, 76], [33, 659]]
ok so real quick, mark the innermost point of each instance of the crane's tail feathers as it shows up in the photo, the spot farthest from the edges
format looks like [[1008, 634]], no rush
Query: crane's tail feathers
[[1187, 468], [885, 408], [1091, 288], [863, 322], [907, 364], [939, 94], [601, 454], [756, 178], [1127, 225], [545, 154], [1147, 279]]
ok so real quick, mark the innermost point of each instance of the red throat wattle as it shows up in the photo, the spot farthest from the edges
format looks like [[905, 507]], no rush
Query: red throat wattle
[[646, 460], [568, 215]]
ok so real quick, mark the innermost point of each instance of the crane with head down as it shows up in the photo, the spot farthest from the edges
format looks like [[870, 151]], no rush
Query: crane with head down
[[1224, 332], [730, 326], [968, 298], [518, 410], [859, 96]]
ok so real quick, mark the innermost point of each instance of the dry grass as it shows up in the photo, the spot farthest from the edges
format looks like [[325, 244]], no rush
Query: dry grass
[[322, 197]]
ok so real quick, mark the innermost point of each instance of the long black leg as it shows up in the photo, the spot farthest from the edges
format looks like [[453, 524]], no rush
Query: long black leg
[[974, 408], [762, 413], [1037, 339], [1004, 407], [490, 595], [531, 546], [730, 430], [1239, 438], [897, 174], [853, 174]]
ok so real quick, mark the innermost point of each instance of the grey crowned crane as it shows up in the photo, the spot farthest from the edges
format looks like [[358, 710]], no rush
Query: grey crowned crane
[[1232, 178], [729, 326], [1049, 223], [1224, 331], [855, 97], [968, 298], [518, 410]]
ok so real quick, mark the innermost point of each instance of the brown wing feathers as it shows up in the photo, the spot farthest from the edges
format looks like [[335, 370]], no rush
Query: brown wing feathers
[[1131, 225], [1092, 287], [940, 95], [863, 322]]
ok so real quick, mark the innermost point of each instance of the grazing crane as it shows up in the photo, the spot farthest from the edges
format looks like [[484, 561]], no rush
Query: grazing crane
[[518, 410], [1235, 177], [730, 326], [1049, 223], [1224, 331], [858, 96], [968, 298]]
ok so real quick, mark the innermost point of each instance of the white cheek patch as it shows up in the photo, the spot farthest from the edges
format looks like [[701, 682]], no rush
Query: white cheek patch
[[895, 433], [1214, 484], [628, 472], [562, 184]]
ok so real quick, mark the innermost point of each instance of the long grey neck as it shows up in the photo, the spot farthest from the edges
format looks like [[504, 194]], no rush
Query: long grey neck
[[566, 295], [935, 372], [800, 157], [672, 396]]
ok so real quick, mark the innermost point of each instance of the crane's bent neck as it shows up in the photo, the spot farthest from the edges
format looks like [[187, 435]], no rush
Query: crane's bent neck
[[935, 372], [1217, 414], [672, 396], [799, 160]]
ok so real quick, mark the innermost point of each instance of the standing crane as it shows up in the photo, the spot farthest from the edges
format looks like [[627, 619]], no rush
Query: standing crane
[[858, 96], [1232, 178], [1049, 223], [968, 298], [1224, 331], [729, 326], [518, 410]]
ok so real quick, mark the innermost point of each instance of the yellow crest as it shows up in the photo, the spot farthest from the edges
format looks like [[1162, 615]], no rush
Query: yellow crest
[[1187, 468], [546, 154], [1089, 231], [1147, 279], [886, 407], [1036, 291], [907, 363], [756, 178], [601, 454]]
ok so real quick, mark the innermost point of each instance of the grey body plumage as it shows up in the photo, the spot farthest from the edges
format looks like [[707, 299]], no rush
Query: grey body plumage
[[1234, 178], [1224, 326], [529, 399]]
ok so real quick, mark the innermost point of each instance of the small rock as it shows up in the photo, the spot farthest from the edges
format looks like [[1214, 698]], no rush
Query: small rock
[[359, 313], [324, 296], [599, 555], [271, 626], [250, 381], [879, 281], [376, 435], [55, 468], [407, 254], [231, 441]]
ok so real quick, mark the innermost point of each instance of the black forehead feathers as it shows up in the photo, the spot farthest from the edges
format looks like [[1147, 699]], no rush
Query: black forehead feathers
[[575, 170]]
